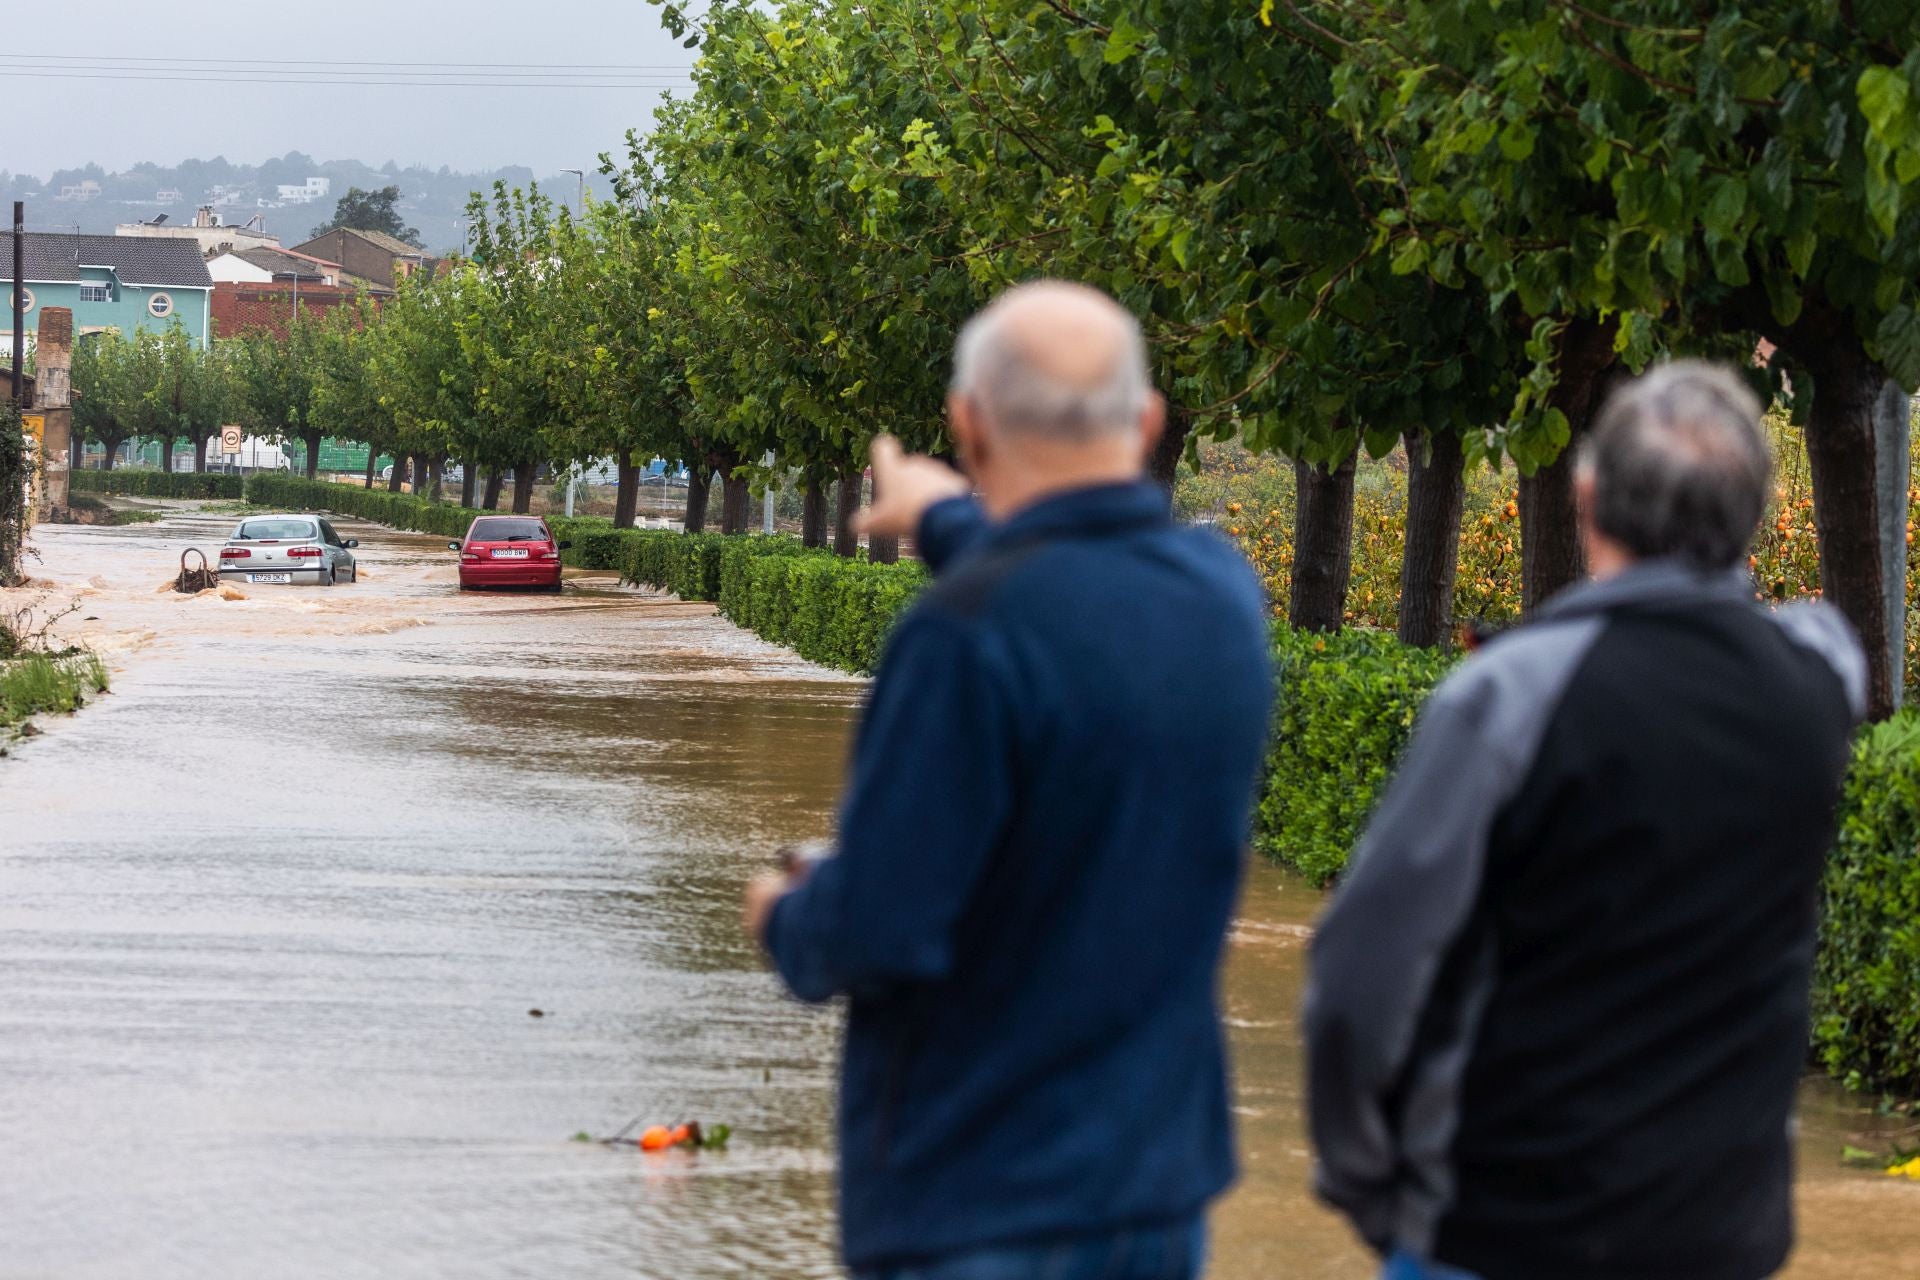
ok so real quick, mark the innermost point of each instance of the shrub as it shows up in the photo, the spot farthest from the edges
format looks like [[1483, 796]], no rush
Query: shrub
[[1346, 706], [1867, 981], [596, 543], [155, 484], [737, 558], [687, 564]]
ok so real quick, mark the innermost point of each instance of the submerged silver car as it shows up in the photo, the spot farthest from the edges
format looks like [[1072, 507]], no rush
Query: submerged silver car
[[290, 549]]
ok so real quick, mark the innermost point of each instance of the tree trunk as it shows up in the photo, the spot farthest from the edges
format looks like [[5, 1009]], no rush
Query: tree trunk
[[1436, 491], [436, 472], [1840, 454], [1855, 508], [166, 454], [1164, 463], [813, 512], [1550, 554], [398, 475], [699, 489], [735, 499], [113, 447], [523, 488], [469, 481], [626, 500], [492, 500], [312, 440], [845, 541], [1322, 545], [200, 453], [881, 550], [373, 462]]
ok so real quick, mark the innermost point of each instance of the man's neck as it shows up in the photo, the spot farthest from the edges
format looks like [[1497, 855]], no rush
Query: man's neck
[[1007, 495]]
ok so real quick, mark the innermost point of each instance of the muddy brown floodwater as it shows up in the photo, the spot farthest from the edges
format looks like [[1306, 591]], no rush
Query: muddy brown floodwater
[[276, 910]]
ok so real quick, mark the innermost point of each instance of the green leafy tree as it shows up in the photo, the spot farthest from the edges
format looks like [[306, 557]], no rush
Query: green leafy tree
[[1633, 177], [371, 211]]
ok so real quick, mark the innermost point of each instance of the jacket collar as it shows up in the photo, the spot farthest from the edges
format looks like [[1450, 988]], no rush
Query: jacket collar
[[1652, 582], [1094, 511]]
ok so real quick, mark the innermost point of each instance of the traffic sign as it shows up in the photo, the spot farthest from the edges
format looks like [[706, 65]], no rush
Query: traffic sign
[[230, 438]]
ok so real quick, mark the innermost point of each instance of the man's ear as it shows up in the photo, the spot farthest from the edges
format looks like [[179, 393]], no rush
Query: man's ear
[[969, 441], [1153, 424]]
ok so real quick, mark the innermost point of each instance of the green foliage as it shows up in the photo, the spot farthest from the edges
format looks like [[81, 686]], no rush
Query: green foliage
[[1867, 983], [1346, 708], [155, 484], [686, 564], [828, 610], [371, 211], [48, 682]]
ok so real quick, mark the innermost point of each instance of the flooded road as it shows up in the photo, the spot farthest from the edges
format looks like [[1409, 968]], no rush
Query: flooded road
[[276, 911]]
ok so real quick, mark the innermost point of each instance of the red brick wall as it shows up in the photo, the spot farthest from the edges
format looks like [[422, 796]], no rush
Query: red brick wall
[[240, 308]]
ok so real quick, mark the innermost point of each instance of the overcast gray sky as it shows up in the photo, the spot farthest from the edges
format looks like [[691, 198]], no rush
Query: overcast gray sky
[[118, 121]]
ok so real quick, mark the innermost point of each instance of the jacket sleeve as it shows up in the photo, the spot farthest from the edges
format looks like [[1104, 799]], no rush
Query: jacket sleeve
[[948, 529], [928, 801], [1411, 888]]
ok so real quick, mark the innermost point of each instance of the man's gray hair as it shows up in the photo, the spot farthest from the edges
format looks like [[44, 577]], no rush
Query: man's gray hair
[[1680, 468], [1006, 373]]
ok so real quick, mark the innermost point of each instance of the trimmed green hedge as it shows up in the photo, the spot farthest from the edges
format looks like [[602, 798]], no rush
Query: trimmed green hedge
[[155, 484], [1867, 981], [829, 610], [687, 564], [1346, 705]]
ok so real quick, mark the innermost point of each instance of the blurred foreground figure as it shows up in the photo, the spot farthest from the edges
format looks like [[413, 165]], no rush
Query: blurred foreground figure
[[1559, 1007], [1041, 843]]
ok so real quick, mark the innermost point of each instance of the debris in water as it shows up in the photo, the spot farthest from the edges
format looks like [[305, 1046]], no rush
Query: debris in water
[[30, 730], [232, 593], [536, 1013], [192, 581], [660, 1137]]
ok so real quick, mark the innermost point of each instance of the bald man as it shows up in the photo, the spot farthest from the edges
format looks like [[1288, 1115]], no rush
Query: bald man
[[1042, 840]]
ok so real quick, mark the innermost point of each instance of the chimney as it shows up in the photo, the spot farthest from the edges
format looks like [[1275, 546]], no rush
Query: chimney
[[203, 217]]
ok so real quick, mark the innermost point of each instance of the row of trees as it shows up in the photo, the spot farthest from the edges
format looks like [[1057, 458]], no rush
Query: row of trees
[[1346, 225]]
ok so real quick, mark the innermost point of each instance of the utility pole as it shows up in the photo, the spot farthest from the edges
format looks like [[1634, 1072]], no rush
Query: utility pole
[[19, 303], [581, 174]]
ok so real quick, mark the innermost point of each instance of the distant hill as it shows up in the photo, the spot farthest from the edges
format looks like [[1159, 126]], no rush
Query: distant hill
[[95, 200]]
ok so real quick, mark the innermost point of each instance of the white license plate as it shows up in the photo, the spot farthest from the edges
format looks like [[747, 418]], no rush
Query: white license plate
[[509, 553], [269, 577]]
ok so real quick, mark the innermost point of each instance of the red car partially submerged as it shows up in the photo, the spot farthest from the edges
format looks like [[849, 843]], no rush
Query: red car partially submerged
[[509, 551]]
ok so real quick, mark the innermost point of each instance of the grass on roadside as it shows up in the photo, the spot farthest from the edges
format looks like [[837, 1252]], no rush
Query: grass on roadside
[[48, 682]]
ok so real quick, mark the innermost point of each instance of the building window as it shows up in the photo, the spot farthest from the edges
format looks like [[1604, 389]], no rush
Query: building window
[[160, 306], [96, 293], [26, 301]]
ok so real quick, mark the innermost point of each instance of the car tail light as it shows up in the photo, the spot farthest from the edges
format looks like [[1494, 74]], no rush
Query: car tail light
[[235, 553], [540, 553], [303, 552], [466, 554]]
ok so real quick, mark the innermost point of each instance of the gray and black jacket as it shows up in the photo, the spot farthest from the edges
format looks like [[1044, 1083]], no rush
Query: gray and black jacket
[[1559, 1005]]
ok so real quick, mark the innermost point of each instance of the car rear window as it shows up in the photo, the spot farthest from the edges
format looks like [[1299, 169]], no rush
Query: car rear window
[[502, 529], [285, 530]]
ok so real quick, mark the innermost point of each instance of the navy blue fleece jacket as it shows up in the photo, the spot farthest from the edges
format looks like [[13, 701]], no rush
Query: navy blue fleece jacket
[[1038, 859]]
